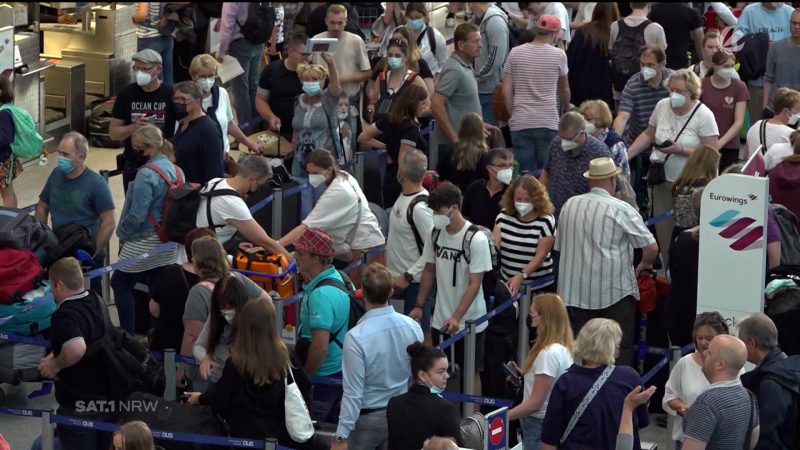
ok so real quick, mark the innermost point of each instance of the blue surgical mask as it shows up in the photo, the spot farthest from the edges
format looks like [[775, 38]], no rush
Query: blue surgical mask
[[726, 73], [648, 73], [436, 390], [416, 25], [64, 164], [311, 88], [343, 115], [395, 62]]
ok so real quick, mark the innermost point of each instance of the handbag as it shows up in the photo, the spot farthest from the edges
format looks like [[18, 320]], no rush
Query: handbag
[[598, 384], [656, 174], [296, 415]]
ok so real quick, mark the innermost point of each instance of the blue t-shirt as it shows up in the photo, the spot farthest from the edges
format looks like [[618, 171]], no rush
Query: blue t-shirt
[[81, 200], [326, 308]]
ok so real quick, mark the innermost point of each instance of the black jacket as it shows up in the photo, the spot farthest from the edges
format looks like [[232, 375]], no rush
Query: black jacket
[[418, 415], [777, 405]]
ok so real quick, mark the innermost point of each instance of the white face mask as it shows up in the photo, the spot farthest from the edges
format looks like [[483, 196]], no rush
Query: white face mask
[[726, 73], [440, 221], [343, 115], [316, 180], [568, 145], [590, 128], [206, 84], [794, 118], [523, 208], [143, 78], [676, 100], [648, 73], [228, 314], [505, 175]]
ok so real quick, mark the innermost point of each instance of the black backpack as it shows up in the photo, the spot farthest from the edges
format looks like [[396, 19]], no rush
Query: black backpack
[[260, 20], [22, 231], [98, 122], [184, 201], [790, 238], [625, 53], [410, 219], [357, 307], [794, 388]]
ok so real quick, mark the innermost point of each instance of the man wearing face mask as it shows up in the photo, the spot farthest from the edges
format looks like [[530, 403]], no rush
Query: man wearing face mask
[[147, 101], [75, 194], [482, 197], [771, 132], [570, 154], [228, 213]]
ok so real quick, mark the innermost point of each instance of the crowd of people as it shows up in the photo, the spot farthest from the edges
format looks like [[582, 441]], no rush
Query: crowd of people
[[553, 140]]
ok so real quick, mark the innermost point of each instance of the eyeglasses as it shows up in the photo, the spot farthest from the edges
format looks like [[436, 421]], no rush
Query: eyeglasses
[[143, 69], [503, 165], [182, 100]]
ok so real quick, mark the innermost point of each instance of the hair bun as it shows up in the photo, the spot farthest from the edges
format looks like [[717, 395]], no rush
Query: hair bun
[[416, 349]]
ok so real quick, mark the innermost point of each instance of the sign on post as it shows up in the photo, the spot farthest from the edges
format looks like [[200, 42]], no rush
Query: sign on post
[[497, 430], [733, 246]]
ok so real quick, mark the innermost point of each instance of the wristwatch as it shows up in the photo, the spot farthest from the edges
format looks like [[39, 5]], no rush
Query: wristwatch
[[524, 275], [409, 278]]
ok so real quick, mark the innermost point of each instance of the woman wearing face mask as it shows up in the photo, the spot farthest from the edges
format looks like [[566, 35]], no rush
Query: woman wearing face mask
[[414, 61], [217, 103], [524, 233], [678, 125], [392, 81], [431, 42], [342, 211], [141, 217], [421, 412], [548, 359], [598, 123], [315, 121], [212, 346], [686, 381], [398, 133], [198, 139], [726, 96]]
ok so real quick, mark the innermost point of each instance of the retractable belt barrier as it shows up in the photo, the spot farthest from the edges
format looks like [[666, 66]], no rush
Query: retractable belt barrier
[[664, 361]]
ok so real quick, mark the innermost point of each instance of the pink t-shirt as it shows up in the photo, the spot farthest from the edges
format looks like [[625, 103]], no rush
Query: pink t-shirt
[[722, 102], [535, 70]]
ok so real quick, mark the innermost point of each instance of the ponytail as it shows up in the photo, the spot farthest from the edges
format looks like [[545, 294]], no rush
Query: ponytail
[[168, 150]]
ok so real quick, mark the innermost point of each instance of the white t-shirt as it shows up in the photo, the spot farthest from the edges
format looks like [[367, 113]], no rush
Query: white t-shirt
[[223, 208], [450, 262], [336, 212], [553, 361], [350, 57], [668, 125], [435, 61], [559, 10], [223, 114], [775, 134], [776, 153], [402, 254]]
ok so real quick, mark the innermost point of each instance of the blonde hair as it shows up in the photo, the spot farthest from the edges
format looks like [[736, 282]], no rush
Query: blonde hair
[[700, 168], [68, 271], [258, 352], [151, 136], [687, 76], [209, 258], [597, 341], [204, 61], [538, 194], [313, 71], [471, 143], [604, 118], [135, 436], [336, 9], [554, 327], [785, 98]]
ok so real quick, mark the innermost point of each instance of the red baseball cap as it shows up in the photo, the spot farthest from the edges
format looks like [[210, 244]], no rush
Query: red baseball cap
[[548, 23], [316, 241]]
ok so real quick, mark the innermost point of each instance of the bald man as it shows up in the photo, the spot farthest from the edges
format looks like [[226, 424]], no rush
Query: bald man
[[440, 443], [725, 416]]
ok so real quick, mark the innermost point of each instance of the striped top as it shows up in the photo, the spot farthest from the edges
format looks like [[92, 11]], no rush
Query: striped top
[[147, 29], [596, 237], [719, 416], [639, 100], [518, 243], [535, 70]]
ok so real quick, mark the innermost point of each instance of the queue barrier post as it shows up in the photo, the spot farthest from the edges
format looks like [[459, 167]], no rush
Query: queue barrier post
[[359, 169], [170, 374], [277, 211], [469, 366], [522, 327], [48, 440], [270, 444], [279, 320], [105, 282], [675, 355], [433, 147]]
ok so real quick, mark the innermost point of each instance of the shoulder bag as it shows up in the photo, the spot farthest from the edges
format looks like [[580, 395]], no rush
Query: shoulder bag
[[576, 416], [296, 415], [656, 174]]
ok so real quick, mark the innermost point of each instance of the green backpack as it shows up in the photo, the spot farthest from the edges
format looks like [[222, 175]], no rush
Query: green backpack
[[28, 143]]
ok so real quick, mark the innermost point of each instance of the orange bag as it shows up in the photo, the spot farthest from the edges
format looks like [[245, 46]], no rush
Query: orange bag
[[256, 259]]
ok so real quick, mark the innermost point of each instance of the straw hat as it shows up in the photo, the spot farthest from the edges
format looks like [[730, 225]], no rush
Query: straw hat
[[601, 168]]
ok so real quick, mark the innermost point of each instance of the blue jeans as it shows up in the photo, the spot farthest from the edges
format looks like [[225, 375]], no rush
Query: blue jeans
[[163, 45], [123, 284], [531, 432], [74, 438], [532, 147], [326, 400], [244, 86], [371, 432], [487, 110], [410, 299]]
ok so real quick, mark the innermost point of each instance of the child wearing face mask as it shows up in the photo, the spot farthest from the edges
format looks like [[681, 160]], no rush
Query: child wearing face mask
[[344, 116], [212, 347]]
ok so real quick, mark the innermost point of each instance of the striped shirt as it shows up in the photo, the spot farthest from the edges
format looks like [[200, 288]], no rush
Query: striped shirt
[[720, 415], [535, 70], [148, 29], [639, 100], [596, 237], [518, 243]]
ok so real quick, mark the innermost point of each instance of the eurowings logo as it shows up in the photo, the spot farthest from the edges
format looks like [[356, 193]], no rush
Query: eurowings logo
[[745, 236]]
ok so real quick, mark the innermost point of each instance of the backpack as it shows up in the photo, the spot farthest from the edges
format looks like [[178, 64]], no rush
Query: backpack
[[20, 273], [431, 40], [790, 238], [625, 52], [71, 238], [489, 278], [410, 219], [357, 308], [98, 122], [21, 231], [26, 320], [795, 390], [257, 29], [514, 32], [27, 143]]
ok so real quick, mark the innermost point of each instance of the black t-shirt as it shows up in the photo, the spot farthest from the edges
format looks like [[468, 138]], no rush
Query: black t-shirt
[[79, 317], [678, 21], [447, 170], [198, 150], [480, 208], [395, 135], [170, 294], [284, 86], [133, 102]]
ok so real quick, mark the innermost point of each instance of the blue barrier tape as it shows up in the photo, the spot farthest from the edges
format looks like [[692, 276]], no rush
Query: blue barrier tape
[[326, 381], [466, 398], [664, 361], [292, 300], [654, 220], [18, 339], [20, 412], [291, 268], [261, 204], [30, 209]]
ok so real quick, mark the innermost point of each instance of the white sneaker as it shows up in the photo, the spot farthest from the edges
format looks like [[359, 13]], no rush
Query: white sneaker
[[450, 22]]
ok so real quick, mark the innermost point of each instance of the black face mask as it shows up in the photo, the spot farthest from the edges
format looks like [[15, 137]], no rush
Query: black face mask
[[180, 111]]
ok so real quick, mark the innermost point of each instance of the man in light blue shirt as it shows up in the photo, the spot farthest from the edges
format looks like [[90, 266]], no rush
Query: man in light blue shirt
[[375, 365]]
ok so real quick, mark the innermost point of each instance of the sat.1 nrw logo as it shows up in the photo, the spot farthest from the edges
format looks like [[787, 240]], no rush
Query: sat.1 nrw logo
[[732, 38], [740, 230]]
